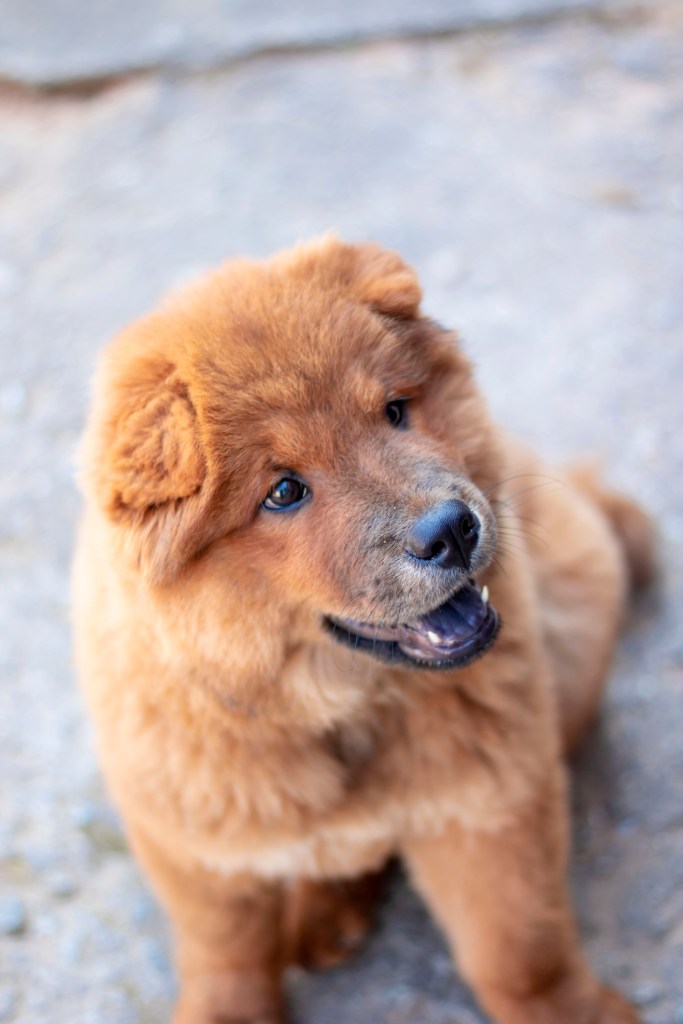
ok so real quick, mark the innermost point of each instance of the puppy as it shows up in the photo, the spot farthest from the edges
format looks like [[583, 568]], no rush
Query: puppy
[[326, 612]]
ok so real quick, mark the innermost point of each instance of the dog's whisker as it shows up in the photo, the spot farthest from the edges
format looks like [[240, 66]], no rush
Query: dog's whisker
[[497, 563], [522, 525], [512, 551], [550, 482], [514, 514], [514, 523], [516, 476], [522, 534]]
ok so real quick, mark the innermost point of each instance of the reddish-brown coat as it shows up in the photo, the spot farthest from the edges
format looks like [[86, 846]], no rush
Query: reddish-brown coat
[[245, 748]]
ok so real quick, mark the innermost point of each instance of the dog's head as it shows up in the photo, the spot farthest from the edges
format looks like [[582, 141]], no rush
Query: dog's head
[[299, 423]]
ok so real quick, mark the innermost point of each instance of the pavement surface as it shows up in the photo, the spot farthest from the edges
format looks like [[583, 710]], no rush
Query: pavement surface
[[526, 156]]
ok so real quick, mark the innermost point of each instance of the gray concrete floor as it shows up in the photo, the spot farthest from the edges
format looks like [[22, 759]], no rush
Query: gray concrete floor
[[526, 157]]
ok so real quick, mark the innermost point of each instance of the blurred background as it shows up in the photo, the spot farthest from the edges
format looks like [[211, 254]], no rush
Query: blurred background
[[526, 156]]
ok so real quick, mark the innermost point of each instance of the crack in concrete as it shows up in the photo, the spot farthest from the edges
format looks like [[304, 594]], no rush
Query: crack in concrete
[[88, 87]]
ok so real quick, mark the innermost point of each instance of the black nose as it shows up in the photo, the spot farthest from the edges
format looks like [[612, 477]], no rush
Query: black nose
[[446, 535]]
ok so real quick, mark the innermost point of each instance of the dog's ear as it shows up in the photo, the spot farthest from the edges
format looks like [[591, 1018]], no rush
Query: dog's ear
[[144, 460], [385, 282], [368, 273], [154, 453]]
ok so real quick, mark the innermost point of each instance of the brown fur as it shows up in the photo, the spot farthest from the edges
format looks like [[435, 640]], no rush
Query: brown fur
[[256, 762]]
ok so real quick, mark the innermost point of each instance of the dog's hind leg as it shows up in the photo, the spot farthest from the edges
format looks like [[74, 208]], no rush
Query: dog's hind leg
[[326, 921], [629, 522], [590, 548]]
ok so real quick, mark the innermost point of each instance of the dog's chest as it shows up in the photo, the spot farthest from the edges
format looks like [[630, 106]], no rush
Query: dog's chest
[[387, 790]]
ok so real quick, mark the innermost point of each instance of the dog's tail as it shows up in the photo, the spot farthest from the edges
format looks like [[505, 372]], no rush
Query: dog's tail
[[632, 526]]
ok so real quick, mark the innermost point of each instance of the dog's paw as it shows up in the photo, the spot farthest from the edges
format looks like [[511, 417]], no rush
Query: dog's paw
[[575, 1000]]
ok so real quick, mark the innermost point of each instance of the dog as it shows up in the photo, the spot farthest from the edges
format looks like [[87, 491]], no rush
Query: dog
[[326, 613]]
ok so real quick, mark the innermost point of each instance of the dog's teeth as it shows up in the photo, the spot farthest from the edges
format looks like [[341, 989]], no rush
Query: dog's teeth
[[433, 637], [485, 594]]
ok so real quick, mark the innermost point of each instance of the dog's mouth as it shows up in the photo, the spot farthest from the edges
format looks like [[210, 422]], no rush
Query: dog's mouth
[[452, 635]]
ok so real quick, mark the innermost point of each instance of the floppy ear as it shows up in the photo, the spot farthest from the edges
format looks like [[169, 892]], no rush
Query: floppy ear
[[385, 282], [369, 273], [155, 454], [145, 463]]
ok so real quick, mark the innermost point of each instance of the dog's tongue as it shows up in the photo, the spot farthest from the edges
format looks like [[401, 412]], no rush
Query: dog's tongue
[[448, 629]]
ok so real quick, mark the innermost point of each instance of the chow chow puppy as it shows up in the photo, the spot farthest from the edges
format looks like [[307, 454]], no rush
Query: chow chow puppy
[[326, 612]]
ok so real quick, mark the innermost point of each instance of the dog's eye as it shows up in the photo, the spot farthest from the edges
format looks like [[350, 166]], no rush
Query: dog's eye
[[287, 492], [397, 413]]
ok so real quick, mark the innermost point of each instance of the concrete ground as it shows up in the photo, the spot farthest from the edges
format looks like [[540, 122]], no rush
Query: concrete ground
[[526, 156]]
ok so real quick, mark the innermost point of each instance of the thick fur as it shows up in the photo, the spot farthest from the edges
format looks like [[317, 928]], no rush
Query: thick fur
[[256, 762]]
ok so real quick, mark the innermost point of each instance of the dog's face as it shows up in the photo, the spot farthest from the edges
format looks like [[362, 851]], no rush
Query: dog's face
[[299, 422]]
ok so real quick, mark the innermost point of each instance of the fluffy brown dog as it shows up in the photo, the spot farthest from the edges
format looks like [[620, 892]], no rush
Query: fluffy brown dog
[[297, 508]]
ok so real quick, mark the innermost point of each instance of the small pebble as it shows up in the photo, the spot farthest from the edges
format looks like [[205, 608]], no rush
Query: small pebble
[[13, 919], [62, 886]]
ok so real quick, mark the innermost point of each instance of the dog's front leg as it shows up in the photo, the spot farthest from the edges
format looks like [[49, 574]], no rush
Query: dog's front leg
[[501, 898], [228, 932]]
